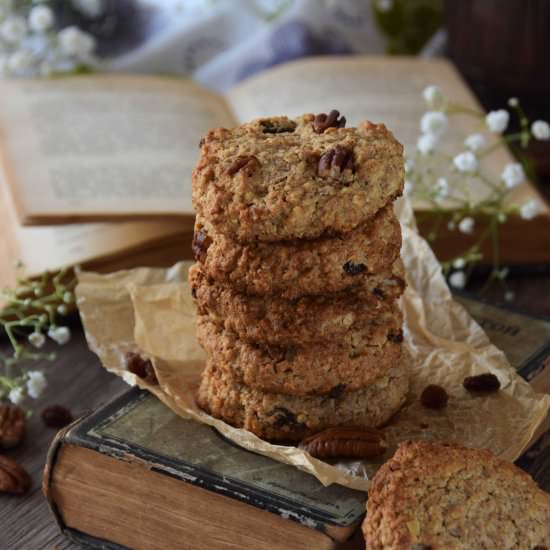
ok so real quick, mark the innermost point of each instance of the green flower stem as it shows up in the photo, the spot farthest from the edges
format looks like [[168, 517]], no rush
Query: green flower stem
[[456, 109]]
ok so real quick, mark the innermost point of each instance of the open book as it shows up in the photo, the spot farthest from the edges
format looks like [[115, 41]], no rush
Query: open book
[[122, 147]]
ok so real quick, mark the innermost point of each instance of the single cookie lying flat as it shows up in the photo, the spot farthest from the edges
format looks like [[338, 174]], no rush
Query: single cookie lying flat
[[285, 417], [275, 178], [300, 267], [325, 318], [317, 368], [435, 496]]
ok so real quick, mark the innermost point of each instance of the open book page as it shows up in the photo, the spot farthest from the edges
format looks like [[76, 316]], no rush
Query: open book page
[[380, 89], [41, 248], [101, 146]]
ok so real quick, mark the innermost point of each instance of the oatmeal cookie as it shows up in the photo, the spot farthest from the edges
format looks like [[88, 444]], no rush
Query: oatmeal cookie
[[308, 319], [318, 368], [432, 495], [298, 267], [285, 417], [276, 179]]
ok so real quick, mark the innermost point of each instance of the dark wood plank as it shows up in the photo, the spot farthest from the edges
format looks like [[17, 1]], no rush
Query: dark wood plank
[[77, 381]]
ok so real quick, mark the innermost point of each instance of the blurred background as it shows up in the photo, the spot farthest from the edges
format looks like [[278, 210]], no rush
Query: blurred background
[[501, 47]]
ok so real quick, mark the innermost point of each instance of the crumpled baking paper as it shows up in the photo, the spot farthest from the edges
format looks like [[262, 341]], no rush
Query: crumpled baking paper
[[151, 311]]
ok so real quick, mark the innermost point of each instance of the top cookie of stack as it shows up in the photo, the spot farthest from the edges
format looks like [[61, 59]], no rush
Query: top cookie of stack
[[277, 179], [298, 274]]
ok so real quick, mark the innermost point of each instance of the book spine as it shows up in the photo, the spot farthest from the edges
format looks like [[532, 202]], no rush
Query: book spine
[[51, 459]]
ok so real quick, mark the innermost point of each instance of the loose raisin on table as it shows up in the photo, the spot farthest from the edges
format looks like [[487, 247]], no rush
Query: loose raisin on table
[[56, 416], [142, 367], [482, 383], [434, 397]]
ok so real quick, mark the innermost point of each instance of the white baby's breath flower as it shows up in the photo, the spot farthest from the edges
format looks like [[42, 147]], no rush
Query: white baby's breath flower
[[426, 143], [40, 18], [541, 130], [509, 295], [36, 383], [16, 395], [502, 217], [530, 209], [75, 42], [466, 162], [457, 279], [459, 263], [20, 61], [451, 226], [513, 102], [434, 123], [409, 165], [37, 339], [384, 5], [497, 121], [61, 335], [13, 30], [442, 187], [90, 8], [475, 142], [466, 225], [512, 175], [408, 188], [432, 95]]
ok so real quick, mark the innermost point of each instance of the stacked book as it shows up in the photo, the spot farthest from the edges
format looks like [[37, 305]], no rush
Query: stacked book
[[298, 275]]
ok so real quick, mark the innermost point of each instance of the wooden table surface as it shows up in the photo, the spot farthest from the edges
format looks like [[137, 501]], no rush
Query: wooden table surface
[[77, 381]]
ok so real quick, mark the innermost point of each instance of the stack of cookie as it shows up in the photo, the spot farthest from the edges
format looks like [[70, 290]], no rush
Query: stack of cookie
[[298, 275]]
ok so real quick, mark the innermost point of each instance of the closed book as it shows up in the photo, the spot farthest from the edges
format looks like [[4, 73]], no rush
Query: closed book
[[135, 475]]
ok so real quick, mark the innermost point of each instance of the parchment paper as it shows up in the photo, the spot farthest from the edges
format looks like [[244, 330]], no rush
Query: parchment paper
[[151, 311]]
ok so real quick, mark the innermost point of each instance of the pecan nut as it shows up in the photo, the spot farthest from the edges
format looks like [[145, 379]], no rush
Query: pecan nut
[[277, 126], [434, 397], [482, 383], [141, 367], [12, 425], [13, 478], [345, 442], [200, 244], [247, 164], [335, 162], [322, 121]]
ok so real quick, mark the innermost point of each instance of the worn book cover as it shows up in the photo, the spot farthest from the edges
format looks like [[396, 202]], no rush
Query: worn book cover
[[135, 475]]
